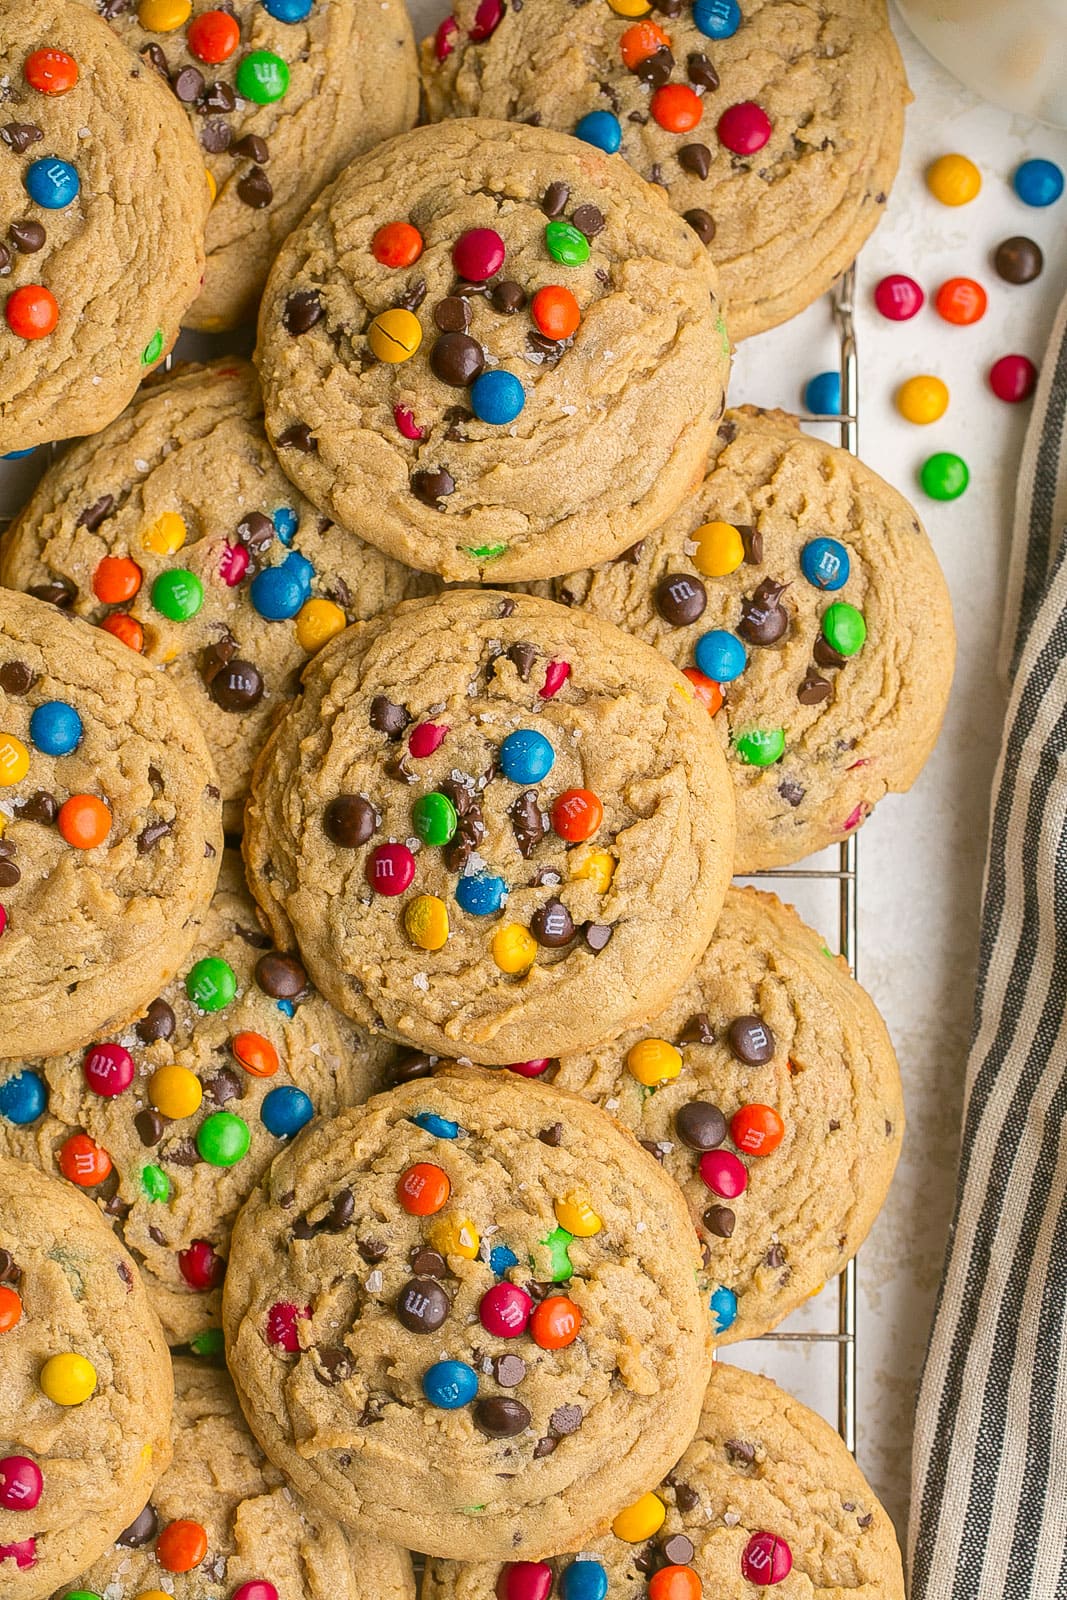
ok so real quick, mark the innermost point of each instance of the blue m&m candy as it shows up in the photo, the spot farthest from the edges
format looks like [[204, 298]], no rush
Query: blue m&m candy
[[56, 728], [822, 394], [440, 1127], [1038, 183], [723, 1305], [285, 1111], [599, 128], [278, 592], [717, 19], [497, 397], [285, 522], [526, 756], [450, 1385], [720, 656], [288, 10], [23, 1098], [480, 895], [584, 1580], [18, 455], [52, 184], [824, 562], [502, 1258]]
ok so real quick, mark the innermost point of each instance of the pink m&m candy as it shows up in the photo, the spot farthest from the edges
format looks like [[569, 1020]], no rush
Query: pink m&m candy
[[282, 1319], [724, 1173], [486, 19], [426, 738], [1012, 378], [406, 424], [3, 919], [258, 1589], [744, 128], [530, 1069], [505, 1310], [766, 1559], [200, 1266], [233, 564], [108, 1069], [898, 297], [21, 1483], [390, 868], [477, 254], [524, 1580], [444, 40], [556, 675], [23, 1553]]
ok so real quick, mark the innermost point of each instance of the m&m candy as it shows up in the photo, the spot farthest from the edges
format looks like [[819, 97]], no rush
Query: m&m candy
[[175, 1091], [397, 244], [1038, 183], [514, 949], [213, 37], [641, 1521], [68, 1379], [181, 1546], [822, 394], [211, 984], [600, 128], [898, 297], [744, 128], [766, 1559], [163, 16], [653, 1061], [944, 476], [317, 622], [953, 179], [108, 1069], [51, 71], [1012, 378], [200, 1266], [480, 893], [10, 1308], [639, 43], [448, 1385], [1018, 260], [723, 1173], [555, 1323], [723, 1308], [288, 11], [961, 301], [717, 19], [262, 77], [760, 747], [84, 821], [577, 815], [844, 628], [390, 868], [530, 1580], [395, 335], [56, 728], [566, 244], [720, 655], [423, 1189], [922, 399], [434, 818], [478, 254], [719, 551], [21, 1483], [256, 1054], [497, 397], [32, 312], [825, 563], [222, 1139], [116, 579], [426, 922], [504, 1310], [577, 1216], [675, 1583], [23, 1098], [676, 107], [285, 1111], [52, 184], [555, 312], [584, 1579], [14, 760], [177, 594], [526, 756], [757, 1130]]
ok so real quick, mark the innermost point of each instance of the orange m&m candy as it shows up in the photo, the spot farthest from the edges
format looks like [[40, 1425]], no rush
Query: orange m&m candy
[[126, 628], [397, 244], [707, 691], [84, 821], [116, 579], [961, 300], [642, 41], [676, 107], [675, 1583], [10, 1309], [757, 1130], [32, 312], [256, 1054], [213, 36], [181, 1546], [555, 311], [577, 814], [83, 1161], [423, 1189], [555, 1323], [50, 71]]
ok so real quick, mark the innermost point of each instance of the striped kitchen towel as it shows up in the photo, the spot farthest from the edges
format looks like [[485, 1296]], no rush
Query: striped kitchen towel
[[989, 1476]]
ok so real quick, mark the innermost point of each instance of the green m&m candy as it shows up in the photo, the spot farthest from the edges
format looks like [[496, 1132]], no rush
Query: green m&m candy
[[843, 628], [153, 349], [223, 1139], [155, 1183], [211, 984], [262, 77], [566, 244], [81, 1594], [178, 594], [760, 747], [558, 1244], [208, 1343], [944, 476], [434, 818]]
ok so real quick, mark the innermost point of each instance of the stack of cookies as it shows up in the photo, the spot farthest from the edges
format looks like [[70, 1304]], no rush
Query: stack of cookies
[[399, 1105]]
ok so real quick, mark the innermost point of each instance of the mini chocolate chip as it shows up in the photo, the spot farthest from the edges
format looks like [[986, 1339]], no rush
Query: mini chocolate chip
[[814, 689], [188, 85], [432, 485], [791, 792], [678, 1550], [333, 1364], [509, 1371], [216, 136], [655, 70], [523, 657], [255, 189], [751, 1040], [695, 158], [158, 1022], [597, 936], [298, 437], [507, 607], [155, 58], [57, 593], [775, 1256], [555, 199], [426, 1263], [452, 314], [456, 359], [9, 1272], [685, 1497], [349, 820], [254, 147], [155, 778], [236, 686], [763, 619], [149, 837], [588, 220], [826, 655], [149, 1125], [373, 1411], [183, 1153], [680, 599], [422, 1305], [500, 1417], [282, 977], [39, 807], [224, 1085], [9, 874], [303, 309], [20, 135], [739, 1451], [698, 1030], [218, 97], [16, 678], [552, 1136], [552, 925], [341, 1212], [700, 1125], [372, 1250], [700, 71], [410, 1066], [565, 1420], [702, 223], [141, 1531], [528, 821], [98, 512], [388, 717], [507, 297], [720, 1220], [544, 1447], [27, 237]]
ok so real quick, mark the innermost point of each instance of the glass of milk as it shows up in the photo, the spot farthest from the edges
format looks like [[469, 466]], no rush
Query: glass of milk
[[1013, 52]]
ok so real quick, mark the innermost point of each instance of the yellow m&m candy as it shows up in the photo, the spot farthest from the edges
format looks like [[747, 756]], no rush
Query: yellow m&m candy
[[395, 335], [426, 922], [630, 8], [317, 621], [578, 1217], [165, 535], [599, 868], [175, 1091], [719, 551], [922, 399], [514, 949], [641, 1520], [653, 1061], [164, 16], [455, 1236], [14, 760], [953, 179], [68, 1380]]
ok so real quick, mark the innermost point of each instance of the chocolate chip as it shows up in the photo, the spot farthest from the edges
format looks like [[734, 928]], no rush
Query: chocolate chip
[[349, 820], [215, 136], [763, 620], [507, 607], [589, 220], [20, 135], [9, 1272], [456, 359], [224, 1085], [528, 821], [27, 237], [791, 792], [422, 1305], [655, 70], [698, 1030], [500, 1417], [372, 1250], [333, 1364], [523, 656], [188, 85], [680, 599], [552, 925], [751, 1040], [751, 538], [282, 977], [509, 1371], [411, 1066], [432, 486], [388, 717], [97, 513], [702, 223], [39, 807], [685, 1497], [452, 314], [16, 678], [341, 1212], [633, 553], [554, 202], [597, 936], [466, 839], [149, 837], [739, 1451], [236, 686], [298, 437], [158, 1022], [544, 1447], [141, 1531], [678, 1550], [507, 297], [426, 1263], [303, 309], [814, 689], [155, 58], [775, 1256], [695, 158], [5, 261], [826, 655], [254, 147], [218, 97], [9, 873], [183, 1153], [149, 1125], [720, 1220], [552, 1136], [1018, 260], [700, 1125], [255, 189], [57, 593], [699, 70], [565, 1420], [303, 1229], [413, 296]]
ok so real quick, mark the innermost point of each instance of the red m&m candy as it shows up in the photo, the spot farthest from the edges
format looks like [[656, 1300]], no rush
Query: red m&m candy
[[577, 815], [108, 1069], [478, 254], [390, 868], [426, 738], [50, 71], [21, 1483], [744, 128], [423, 1189], [10, 1308], [181, 1546], [213, 36], [32, 312], [678, 108], [530, 1069], [83, 1161], [258, 1589], [1012, 378], [200, 1266], [397, 244], [524, 1580], [766, 1559], [505, 1310], [898, 297], [723, 1173], [486, 19], [757, 1130], [282, 1319], [556, 675]]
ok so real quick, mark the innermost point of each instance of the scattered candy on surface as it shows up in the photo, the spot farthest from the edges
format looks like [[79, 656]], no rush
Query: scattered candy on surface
[[822, 394], [1013, 378], [922, 399], [953, 179], [961, 301], [1038, 182], [1018, 259], [898, 297], [944, 476]]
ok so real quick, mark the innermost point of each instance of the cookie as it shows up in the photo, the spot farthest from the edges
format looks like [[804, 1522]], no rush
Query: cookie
[[467, 1312], [773, 128], [171, 1122], [86, 1397], [223, 1517], [281, 95], [110, 830], [491, 351], [768, 1089], [801, 595], [176, 530], [765, 1496], [105, 199], [494, 829]]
